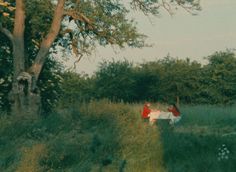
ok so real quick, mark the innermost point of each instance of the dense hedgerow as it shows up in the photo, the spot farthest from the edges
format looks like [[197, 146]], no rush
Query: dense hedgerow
[[162, 80]]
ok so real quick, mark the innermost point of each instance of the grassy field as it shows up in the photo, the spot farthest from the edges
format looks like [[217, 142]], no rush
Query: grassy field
[[106, 137], [204, 141]]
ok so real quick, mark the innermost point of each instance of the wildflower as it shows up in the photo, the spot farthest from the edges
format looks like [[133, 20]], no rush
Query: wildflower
[[223, 153]]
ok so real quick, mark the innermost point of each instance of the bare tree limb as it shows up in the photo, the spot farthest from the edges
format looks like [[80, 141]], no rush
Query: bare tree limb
[[188, 9], [78, 60], [167, 7], [48, 40], [76, 16], [6, 32], [55, 26], [19, 22], [90, 24], [151, 7], [18, 39]]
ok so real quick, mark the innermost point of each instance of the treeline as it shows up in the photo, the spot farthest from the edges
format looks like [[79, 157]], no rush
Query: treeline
[[162, 80]]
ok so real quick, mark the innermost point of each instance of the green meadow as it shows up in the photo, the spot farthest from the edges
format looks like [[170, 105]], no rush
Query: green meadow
[[62, 110], [101, 136]]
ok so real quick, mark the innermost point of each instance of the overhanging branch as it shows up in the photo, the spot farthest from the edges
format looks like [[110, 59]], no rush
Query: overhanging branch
[[151, 7], [79, 16], [89, 24]]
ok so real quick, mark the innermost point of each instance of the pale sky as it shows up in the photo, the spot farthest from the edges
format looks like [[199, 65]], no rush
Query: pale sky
[[183, 35]]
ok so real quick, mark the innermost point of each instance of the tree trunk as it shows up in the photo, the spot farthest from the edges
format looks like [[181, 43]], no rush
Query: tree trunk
[[24, 101], [177, 101], [25, 97]]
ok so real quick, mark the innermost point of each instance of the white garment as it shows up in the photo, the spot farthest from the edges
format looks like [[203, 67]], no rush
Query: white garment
[[154, 115]]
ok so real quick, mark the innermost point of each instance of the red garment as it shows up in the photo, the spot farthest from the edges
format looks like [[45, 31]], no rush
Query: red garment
[[174, 111], [146, 111]]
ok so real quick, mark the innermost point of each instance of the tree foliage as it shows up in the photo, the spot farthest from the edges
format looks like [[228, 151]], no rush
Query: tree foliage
[[220, 83], [165, 80], [115, 81], [35, 28], [77, 87]]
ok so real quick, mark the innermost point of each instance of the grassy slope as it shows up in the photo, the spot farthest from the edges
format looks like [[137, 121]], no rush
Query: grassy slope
[[104, 137]]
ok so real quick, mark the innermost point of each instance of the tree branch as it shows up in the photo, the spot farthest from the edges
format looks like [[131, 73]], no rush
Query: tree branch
[[167, 7], [188, 9], [78, 60], [148, 7], [79, 16], [19, 22], [90, 24], [6, 32], [18, 39], [48, 40], [72, 13]]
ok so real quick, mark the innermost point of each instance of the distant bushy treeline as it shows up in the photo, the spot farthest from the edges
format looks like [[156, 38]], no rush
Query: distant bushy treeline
[[162, 80]]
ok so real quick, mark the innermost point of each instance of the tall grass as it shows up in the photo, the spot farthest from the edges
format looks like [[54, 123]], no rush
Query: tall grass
[[98, 136], [194, 144], [101, 136]]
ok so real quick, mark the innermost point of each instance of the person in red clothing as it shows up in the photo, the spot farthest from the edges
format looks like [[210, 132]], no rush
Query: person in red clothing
[[150, 115], [146, 110], [175, 111], [176, 114]]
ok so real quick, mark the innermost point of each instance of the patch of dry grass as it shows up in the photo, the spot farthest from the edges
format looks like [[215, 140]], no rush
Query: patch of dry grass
[[29, 161], [139, 143]]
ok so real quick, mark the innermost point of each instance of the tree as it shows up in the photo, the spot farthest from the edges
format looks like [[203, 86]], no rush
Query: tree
[[147, 80], [179, 79], [114, 80], [77, 87], [35, 28], [219, 78]]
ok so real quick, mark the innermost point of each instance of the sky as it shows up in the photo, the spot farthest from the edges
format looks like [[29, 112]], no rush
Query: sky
[[180, 36]]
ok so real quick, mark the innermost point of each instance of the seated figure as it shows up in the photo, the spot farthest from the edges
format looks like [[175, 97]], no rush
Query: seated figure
[[146, 110], [173, 114]]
